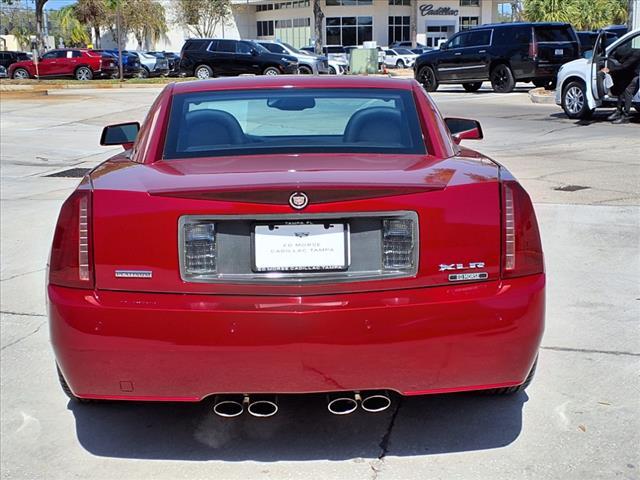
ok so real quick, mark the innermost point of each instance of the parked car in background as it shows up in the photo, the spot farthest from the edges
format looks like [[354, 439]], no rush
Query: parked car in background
[[406, 44], [503, 53], [173, 59], [292, 235], [151, 66], [588, 39], [399, 57], [210, 57], [580, 90], [81, 64], [8, 57], [420, 50], [308, 63], [130, 63], [338, 67], [3, 72], [335, 52]]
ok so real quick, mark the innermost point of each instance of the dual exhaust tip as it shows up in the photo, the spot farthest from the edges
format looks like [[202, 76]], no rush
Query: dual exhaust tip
[[372, 402], [267, 405], [230, 407]]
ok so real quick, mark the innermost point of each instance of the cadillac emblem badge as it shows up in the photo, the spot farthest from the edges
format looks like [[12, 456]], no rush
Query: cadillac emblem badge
[[298, 200]]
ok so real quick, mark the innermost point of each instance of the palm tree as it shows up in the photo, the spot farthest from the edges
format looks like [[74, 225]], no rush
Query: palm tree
[[551, 11], [73, 32], [93, 13]]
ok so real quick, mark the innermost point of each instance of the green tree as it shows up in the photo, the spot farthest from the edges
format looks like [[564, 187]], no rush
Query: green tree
[[582, 14], [67, 26], [202, 17], [145, 19], [93, 13]]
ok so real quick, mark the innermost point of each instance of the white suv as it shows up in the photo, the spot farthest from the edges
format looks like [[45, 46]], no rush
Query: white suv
[[580, 90]]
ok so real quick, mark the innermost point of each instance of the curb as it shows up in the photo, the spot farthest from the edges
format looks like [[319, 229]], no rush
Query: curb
[[540, 95], [49, 87]]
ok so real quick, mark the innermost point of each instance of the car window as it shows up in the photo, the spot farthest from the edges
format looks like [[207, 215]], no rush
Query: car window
[[478, 38], [243, 48], [274, 47], [553, 34], [626, 48], [227, 46], [458, 41], [206, 124], [50, 55], [389, 52], [195, 45], [403, 51]]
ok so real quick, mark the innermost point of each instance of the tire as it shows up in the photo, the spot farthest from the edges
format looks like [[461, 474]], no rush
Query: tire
[[67, 391], [502, 79], [144, 73], [472, 87], [203, 72], [83, 73], [305, 70], [21, 74], [574, 101], [332, 70], [400, 64], [271, 71], [427, 77], [517, 388]]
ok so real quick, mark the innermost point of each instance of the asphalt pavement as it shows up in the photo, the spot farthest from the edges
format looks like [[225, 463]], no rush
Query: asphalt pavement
[[580, 418]]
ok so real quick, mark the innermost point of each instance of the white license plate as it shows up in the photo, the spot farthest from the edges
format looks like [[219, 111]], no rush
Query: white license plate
[[301, 247], [559, 51]]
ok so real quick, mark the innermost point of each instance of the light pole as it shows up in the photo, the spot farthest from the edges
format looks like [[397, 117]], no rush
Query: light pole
[[120, 72]]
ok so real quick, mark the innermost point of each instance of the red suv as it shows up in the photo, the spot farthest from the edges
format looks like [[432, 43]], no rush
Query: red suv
[[77, 63]]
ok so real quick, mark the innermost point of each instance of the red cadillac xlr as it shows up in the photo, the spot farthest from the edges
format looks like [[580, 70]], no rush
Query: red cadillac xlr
[[265, 236]]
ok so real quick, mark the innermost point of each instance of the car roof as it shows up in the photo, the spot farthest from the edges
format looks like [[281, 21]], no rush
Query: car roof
[[286, 81], [521, 24]]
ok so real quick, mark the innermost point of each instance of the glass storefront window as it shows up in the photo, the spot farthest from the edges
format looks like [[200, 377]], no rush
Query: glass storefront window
[[399, 30], [468, 22], [348, 30]]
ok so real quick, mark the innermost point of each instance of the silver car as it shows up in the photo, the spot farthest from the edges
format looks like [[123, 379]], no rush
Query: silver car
[[308, 63]]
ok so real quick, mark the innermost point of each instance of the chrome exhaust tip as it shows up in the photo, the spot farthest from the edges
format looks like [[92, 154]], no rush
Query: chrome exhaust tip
[[229, 407], [340, 405], [375, 401], [263, 407]]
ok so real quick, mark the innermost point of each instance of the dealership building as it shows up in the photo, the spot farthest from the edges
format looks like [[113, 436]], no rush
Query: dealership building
[[346, 22]]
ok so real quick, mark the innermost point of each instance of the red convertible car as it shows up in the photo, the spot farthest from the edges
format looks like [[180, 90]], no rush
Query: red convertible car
[[265, 236]]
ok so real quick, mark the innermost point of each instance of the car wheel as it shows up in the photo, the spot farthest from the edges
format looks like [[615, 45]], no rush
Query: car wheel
[[427, 77], [271, 71], [84, 74], [399, 64], [21, 74], [203, 72], [144, 73], [517, 388], [472, 87], [502, 79], [574, 100], [304, 70], [332, 71], [67, 391]]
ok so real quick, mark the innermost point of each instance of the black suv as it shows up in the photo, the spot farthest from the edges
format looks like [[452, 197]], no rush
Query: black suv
[[206, 58], [7, 58], [503, 53]]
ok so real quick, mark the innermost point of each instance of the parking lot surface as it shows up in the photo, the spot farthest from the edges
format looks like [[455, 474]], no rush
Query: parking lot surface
[[580, 419]]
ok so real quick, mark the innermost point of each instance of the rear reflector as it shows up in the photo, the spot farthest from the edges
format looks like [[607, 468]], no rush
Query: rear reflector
[[71, 261], [521, 247], [199, 248], [398, 243]]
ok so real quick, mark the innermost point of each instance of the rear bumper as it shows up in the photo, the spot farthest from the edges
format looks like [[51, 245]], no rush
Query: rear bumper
[[135, 346]]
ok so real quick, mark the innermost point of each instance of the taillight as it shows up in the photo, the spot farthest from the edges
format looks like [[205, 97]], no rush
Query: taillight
[[398, 244], [71, 262], [521, 247], [199, 247]]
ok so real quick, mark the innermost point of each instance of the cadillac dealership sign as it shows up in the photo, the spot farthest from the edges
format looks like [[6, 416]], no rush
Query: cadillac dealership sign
[[429, 9]]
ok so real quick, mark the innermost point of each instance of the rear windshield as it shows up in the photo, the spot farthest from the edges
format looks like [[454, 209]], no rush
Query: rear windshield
[[554, 34], [275, 121]]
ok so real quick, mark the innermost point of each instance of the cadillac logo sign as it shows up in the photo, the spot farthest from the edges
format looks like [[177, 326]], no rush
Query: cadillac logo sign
[[430, 9], [298, 200]]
